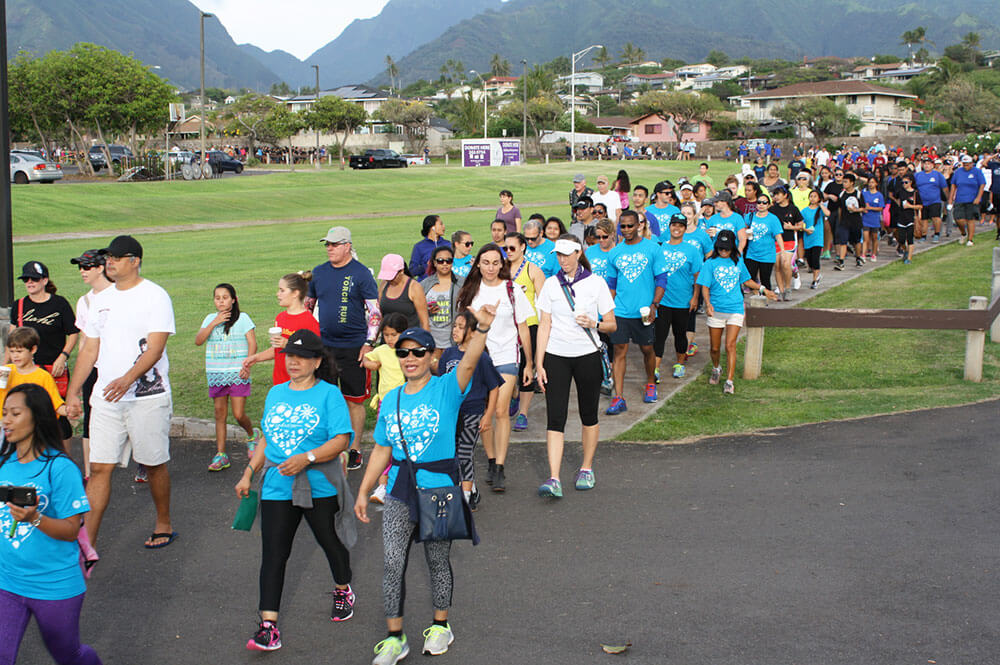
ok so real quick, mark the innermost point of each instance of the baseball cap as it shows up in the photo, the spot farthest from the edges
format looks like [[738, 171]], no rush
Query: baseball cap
[[725, 240], [578, 178], [584, 202], [337, 235], [677, 218], [418, 335], [305, 344], [686, 185], [602, 178], [391, 265], [723, 195], [566, 247], [663, 186], [33, 270], [92, 257], [966, 159], [123, 246]]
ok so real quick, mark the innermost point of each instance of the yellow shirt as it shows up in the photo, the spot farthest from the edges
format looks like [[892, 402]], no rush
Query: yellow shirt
[[39, 377], [800, 197], [528, 286], [390, 374]]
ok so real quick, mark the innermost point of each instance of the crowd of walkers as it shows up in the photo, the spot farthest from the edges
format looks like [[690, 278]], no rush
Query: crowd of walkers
[[448, 346]]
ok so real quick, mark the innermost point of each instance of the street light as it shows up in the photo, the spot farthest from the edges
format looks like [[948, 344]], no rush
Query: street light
[[316, 67], [473, 71], [524, 112], [572, 98], [201, 119]]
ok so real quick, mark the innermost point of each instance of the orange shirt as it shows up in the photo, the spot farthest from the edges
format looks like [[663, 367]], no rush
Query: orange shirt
[[39, 377]]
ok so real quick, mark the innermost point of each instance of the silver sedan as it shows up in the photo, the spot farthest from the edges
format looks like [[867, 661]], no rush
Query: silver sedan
[[25, 168]]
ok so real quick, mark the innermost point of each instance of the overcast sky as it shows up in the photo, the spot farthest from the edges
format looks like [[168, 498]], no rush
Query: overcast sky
[[297, 26]]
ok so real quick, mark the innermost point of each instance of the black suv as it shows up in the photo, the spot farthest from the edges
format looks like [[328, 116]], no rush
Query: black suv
[[221, 162], [120, 154]]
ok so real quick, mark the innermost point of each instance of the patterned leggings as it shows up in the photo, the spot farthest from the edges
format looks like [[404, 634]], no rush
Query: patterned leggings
[[398, 534], [465, 442]]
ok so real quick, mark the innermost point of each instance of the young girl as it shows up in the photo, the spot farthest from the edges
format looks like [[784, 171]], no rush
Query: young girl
[[230, 338], [813, 215], [382, 359], [292, 290], [473, 416]]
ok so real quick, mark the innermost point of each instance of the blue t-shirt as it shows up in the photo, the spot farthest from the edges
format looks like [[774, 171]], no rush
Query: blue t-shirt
[[540, 255], [698, 238], [341, 293], [33, 564], [872, 220], [658, 218], [733, 222], [967, 184], [461, 267], [421, 255], [813, 218], [635, 268], [599, 260], [930, 185], [295, 422], [484, 379], [683, 262], [994, 168], [724, 280], [766, 231], [429, 420]]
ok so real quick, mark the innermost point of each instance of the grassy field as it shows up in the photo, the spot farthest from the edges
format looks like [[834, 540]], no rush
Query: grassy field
[[812, 374]]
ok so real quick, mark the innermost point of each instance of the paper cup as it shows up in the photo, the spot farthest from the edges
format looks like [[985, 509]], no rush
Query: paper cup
[[275, 335], [644, 313], [4, 375]]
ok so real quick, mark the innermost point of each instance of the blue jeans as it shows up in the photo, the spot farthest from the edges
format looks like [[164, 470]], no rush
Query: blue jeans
[[58, 621]]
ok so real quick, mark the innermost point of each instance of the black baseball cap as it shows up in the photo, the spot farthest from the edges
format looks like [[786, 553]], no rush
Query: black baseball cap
[[418, 335], [305, 344], [123, 246], [33, 270], [677, 218], [663, 186], [584, 202], [92, 257], [725, 240]]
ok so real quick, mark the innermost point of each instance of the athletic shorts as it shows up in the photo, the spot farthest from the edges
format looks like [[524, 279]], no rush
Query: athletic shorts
[[232, 390], [632, 330], [788, 245], [510, 369], [904, 234], [848, 234], [355, 381], [812, 257], [996, 202], [139, 428], [931, 211], [723, 319], [966, 211]]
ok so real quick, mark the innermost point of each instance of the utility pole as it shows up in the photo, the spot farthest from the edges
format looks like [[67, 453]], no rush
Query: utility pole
[[572, 99], [201, 119], [524, 112], [7, 254], [316, 67], [485, 117]]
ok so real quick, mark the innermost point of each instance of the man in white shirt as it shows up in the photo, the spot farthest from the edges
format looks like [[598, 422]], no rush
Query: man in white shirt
[[612, 200], [126, 337]]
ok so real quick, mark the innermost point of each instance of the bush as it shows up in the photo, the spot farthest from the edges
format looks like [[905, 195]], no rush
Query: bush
[[943, 127], [978, 143]]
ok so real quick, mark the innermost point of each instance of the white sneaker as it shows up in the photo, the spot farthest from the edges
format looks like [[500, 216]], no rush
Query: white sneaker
[[968, 244], [378, 496], [796, 283], [437, 639]]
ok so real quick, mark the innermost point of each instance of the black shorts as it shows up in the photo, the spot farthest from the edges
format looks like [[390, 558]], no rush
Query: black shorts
[[931, 211], [996, 202], [966, 211], [848, 234], [812, 257], [632, 330], [355, 381], [904, 234]]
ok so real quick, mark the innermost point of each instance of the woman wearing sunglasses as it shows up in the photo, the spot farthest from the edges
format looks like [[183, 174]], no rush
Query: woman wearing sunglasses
[[462, 243], [441, 290], [530, 278], [763, 235], [416, 431]]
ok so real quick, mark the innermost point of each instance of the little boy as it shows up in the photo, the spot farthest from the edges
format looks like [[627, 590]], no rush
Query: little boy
[[22, 344]]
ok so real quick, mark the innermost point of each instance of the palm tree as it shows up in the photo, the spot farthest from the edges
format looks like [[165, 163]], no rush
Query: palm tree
[[628, 53], [602, 57], [391, 70], [499, 66], [916, 37], [971, 39]]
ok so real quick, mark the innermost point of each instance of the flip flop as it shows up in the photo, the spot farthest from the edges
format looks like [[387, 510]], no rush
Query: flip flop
[[156, 536]]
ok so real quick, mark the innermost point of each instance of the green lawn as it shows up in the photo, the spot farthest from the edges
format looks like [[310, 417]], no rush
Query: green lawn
[[812, 374]]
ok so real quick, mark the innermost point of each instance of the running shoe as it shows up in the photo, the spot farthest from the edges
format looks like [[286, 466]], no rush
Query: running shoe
[[796, 282], [825, 255], [650, 396], [816, 281], [515, 404], [785, 296], [585, 480], [838, 265], [267, 637], [874, 258], [354, 459], [656, 375], [859, 262], [968, 244], [140, 474], [437, 639], [727, 389], [713, 379], [391, 650], [936, 237], [343, 604], [800, 263], [551, 487], [219, 462], [906, 262], [679, 371], [252, 440], [520, 423], [378, 496], [617, 406], [692, 348]]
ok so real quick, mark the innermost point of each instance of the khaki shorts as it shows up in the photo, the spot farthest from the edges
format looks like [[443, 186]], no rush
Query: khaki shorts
[[722, 319], [138, 428]]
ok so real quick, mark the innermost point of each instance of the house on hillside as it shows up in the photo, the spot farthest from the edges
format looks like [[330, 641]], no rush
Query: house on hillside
[[654, 81], [501, 85], [590, 82], [618, 125], [991, 57], [655, 128], [880, 109], [693, 71], [706, 81], [370, 99], [904, 74]]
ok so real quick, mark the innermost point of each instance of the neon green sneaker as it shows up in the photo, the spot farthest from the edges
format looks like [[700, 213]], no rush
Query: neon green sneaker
[[437, 640], [391, 650]]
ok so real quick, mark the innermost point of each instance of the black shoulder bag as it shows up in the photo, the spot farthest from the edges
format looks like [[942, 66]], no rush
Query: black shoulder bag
[[600, 346]]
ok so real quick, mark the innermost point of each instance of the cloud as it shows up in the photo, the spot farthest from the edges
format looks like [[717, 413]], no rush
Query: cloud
[[297, 26]]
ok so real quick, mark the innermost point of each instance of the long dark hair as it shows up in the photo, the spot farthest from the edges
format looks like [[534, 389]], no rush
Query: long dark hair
[[623, 183], [46, 440], [395, 320], [475, 277], [234, 313], [432, 262], [562, 227]]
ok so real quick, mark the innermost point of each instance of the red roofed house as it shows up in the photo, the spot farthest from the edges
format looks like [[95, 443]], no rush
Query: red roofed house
[[654, 128], [500, 85]]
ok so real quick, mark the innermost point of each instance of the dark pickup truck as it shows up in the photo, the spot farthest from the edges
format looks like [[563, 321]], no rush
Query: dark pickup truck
[[378, 159]]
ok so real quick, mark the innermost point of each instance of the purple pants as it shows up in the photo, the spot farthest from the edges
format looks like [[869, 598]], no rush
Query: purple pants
[[58, 621]]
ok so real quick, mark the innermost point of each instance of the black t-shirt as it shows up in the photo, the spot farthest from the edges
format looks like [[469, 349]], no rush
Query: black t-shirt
[[854, 199], [484, 379], [994, 168], [788, 214], [834, 190], [906, 215], [53, 320]]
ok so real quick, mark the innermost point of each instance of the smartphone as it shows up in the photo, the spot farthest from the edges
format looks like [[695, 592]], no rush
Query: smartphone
[[19, 496]]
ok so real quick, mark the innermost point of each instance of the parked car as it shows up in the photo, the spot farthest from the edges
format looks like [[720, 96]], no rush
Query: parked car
[[221, 162], [25, 168], [27, 151], [414, 160], [120, 154], [378, 159]]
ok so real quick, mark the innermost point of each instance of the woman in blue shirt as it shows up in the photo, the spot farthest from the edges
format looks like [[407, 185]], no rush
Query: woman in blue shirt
[[871, 219], [306, 427], [40, 572], [416, 430], [721, 279], [814, 215], [762, 237]]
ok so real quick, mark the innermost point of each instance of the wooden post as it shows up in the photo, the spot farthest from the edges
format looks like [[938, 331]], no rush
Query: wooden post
[[975, 341], [994, 293], [755, 344], [446, 158]]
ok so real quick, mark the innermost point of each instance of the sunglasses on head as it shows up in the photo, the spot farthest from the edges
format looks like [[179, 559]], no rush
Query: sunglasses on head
[[418, 351], [443, 261]]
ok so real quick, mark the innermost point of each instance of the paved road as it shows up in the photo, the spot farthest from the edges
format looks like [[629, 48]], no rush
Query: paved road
[[870, 541]]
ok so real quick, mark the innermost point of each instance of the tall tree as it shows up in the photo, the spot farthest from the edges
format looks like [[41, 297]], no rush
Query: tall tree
[[685, 108], [967, 106], [499, 66], [717, 58], [413, 117], [281, 124], [601, 57], [823, 117], [248, 115], [392, 70], [336, 116]]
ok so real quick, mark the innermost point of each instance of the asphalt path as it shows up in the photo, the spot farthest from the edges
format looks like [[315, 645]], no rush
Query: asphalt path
[[867, 541]]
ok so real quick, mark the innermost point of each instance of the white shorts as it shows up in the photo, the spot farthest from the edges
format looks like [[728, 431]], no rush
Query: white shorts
[[140, 427], [721, 320]]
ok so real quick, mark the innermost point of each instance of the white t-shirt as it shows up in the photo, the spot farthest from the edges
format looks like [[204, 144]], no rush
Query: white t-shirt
[[83, 309], [501, 341], [612, 201], [122, 320], [567, 338]]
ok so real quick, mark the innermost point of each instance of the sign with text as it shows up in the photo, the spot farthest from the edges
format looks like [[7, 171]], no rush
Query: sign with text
[[491, 152]]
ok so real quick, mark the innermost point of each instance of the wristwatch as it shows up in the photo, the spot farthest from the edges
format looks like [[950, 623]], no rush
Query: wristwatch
[[37, 521], [310, 457]]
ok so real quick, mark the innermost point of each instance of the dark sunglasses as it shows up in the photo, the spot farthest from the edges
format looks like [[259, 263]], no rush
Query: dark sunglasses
[[418, 351], [444, 260], [763, 202], [336, 244], [627, 226], [605, 237], [468, 243], [88, 267], [511, 248], [532, 238], [31, 279]]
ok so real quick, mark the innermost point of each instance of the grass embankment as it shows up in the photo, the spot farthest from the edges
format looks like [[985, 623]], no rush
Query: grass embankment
[[814, 374]]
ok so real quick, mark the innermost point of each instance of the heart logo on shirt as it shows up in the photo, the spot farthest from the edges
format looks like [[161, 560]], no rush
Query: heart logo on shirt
[[728, 276], [674, 260], [24, 529], [420, 427], [600, 266], [759, 230], [288, 426], [631, 265]]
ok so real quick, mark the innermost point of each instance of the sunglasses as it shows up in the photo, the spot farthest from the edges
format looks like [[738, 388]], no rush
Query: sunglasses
[[418, 351], [532, 238], [336, 244], [87, 267], [763, 202], [468, 243], [31, 279], [604, 237], [443, 261], [627, 226], [510, 249]]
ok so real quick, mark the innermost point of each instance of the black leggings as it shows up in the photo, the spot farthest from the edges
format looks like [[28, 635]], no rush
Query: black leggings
[[279, 521], [530, 388], [88, 389], [588, 374], [760, 272], [667, 318]]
